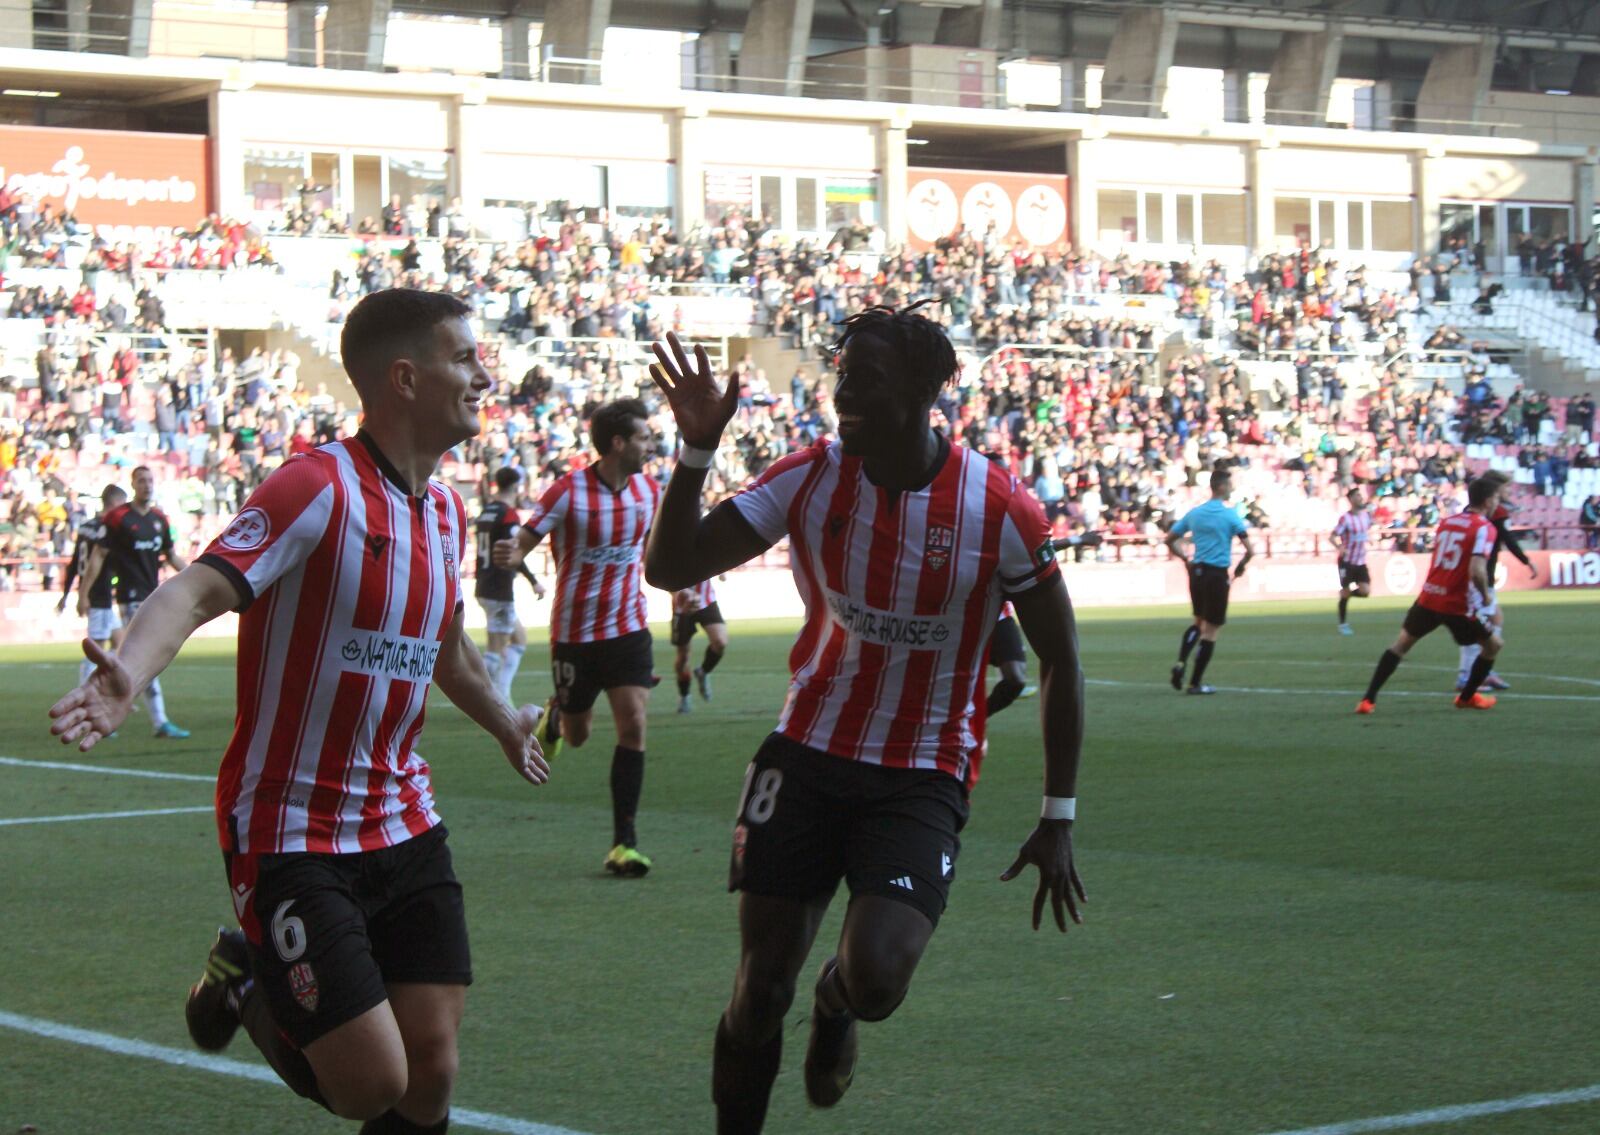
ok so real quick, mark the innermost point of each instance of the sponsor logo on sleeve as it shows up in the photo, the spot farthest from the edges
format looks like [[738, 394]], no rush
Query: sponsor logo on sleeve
[[248, 531]]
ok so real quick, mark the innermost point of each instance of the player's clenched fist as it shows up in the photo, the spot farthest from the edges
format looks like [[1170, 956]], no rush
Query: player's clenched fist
[[508, 553]]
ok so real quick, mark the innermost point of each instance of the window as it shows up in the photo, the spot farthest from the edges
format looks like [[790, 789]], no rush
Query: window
[[1291, 220], [1154, 231], [1549, 223], [1391, 226], [849, 200], [1325, 235], [727, 191], [639, 189], [271, 177], [1185, 218], [1222, 218], [1119, 215], [1356, 224], [423, 176], [806, 217]]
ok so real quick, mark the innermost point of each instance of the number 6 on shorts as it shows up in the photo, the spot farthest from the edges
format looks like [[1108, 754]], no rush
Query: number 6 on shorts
[[288, 933]]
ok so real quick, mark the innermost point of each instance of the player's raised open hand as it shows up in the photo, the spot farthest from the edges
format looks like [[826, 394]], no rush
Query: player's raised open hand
[[1049, 848], [702, 411], [522, 748], [95, 709]]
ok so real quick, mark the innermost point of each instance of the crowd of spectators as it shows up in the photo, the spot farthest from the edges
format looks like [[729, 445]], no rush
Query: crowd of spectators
[[1111, 385]]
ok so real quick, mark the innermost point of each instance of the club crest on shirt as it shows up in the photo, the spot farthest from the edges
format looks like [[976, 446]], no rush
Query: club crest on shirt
[[936, 552], [448, 545], [303, 984]]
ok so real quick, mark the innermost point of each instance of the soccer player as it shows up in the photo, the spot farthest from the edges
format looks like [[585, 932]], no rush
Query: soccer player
[[692, 608], [1453, 596], [494, 587], [902, 546], [94, 600], [599, 636], [138, 537], [1350, 537], [1010, 657], [352, 968], [1491, 609], [1212, 527]]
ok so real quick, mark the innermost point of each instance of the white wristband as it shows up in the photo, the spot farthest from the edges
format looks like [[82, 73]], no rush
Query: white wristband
[[1059, 808], [695, 458]]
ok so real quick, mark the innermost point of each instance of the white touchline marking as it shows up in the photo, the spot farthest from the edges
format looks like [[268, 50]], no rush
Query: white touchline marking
[[105, 816], [1509, 698], [68, 766], [1438, 669], [222, 1066], [1454, 1113]]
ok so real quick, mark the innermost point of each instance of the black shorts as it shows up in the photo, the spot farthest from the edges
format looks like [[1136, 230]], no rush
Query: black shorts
[[1353, 573], [808, 819], [328, 933], [1208, 593], [1422, 621], [1006, 644], [581, 670], [685, 626]]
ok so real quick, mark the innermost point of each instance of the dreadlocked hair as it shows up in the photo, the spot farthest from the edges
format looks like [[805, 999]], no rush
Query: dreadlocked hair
[[930, 360]]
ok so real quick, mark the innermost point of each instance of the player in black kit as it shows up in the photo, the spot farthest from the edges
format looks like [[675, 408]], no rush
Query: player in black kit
[[494, 586], [105, 628], [138, 536]]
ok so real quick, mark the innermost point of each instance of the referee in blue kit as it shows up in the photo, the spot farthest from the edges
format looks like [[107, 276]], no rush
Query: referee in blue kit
[[1212, 527]]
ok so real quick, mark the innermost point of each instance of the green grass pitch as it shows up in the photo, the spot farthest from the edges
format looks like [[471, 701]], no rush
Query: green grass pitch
[[1297, 916]]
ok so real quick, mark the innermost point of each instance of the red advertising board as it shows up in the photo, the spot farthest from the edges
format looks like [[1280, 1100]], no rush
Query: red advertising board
[[110, 177], [1025, 207]]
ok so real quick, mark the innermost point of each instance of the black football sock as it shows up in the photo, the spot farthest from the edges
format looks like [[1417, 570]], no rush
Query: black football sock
[[287, 1061], [627, 783], [1202, 659], [683, 687], [1388, 663], [741, 1082], [392, 1122], [1480, 670], [709, 662], [1005, 691], [1191, 635], [1344, 604]]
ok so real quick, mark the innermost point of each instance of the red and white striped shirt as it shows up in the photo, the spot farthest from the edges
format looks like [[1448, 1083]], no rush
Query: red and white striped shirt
[[598, 533], [350, 585], [692, 599], [900, 601], [1352, 530]]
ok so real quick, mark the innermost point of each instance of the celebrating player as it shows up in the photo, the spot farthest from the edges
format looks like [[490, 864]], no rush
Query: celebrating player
[[94, 596], [902, 546], [692, 608], [599, 637], [494, 587], [1212, 527], [352, 970], [1350, 537], [138, 536], [1453, 596]]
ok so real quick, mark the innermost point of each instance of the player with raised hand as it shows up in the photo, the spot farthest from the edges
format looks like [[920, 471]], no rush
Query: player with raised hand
[[352, 968], [903, 547], [1453, 596]]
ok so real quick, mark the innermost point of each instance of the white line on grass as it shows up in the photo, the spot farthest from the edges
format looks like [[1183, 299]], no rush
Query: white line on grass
[[1337, 693], [68, 766], [222, 1066], [104, 816], [1456, 1113]]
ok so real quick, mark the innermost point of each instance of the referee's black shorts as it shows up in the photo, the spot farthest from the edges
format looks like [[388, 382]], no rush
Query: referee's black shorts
[[1208, 593]]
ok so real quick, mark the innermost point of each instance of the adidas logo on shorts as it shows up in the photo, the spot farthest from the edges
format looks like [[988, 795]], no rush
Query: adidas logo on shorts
[[902, 881]]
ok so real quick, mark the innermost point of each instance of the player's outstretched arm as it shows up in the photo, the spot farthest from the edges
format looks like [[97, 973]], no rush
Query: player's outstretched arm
[[461, 674], [686, 547], [1249, 554], [174, 611], [1045, 613]]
